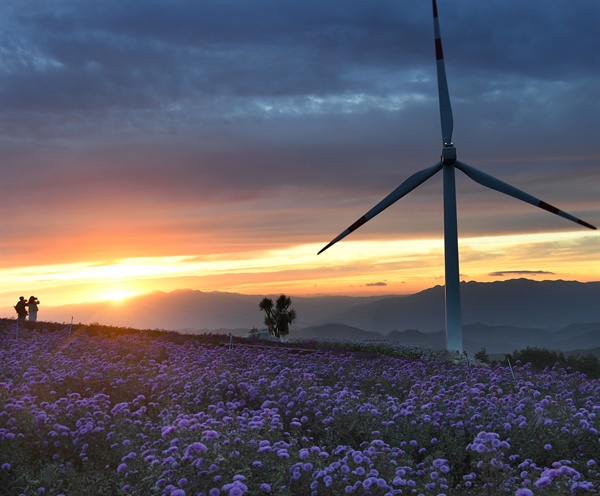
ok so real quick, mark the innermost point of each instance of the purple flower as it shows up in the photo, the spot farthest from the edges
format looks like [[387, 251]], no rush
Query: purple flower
[[524, 492], [583, 485], [543, 482], [210, 434], [547, 447], [237, 488], [196, 447], [118, 408], [265, 487], [165, 431]]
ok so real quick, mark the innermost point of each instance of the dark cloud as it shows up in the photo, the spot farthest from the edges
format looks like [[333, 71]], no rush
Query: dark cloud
[[376, 284], [304, 113], [520, 273]]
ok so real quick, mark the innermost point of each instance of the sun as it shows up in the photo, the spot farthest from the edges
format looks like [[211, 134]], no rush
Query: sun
[[116, 294]]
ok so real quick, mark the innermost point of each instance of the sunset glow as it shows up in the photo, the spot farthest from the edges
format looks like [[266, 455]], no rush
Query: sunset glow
[[352, 267]]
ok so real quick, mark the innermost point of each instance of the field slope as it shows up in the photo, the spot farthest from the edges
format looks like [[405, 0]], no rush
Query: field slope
[[119, 411]]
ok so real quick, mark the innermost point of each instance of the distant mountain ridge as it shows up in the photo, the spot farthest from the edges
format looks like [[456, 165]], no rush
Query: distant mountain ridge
[[495, 339], [496, 315], [517, 302]]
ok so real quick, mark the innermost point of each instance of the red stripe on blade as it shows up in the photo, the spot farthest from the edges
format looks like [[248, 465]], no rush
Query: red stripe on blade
[[439, 55], [434, 9], [584, 223], [357, 224], [547, 206]]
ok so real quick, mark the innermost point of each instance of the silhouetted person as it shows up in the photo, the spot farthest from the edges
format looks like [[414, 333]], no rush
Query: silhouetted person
[[21, 308], [32, 304]]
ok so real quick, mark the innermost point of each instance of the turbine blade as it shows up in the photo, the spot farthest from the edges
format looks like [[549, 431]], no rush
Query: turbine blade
[[444, 95], [406, 187], [493, 183]]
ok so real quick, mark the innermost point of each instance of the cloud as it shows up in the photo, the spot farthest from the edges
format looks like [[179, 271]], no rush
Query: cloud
[[376, 284], [210, 125], [520, 272]]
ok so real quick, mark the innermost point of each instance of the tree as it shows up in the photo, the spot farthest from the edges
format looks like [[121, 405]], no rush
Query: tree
[[482, 356], [278, 316]]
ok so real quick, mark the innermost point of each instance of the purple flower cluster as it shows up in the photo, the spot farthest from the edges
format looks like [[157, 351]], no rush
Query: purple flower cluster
[[155, 417]]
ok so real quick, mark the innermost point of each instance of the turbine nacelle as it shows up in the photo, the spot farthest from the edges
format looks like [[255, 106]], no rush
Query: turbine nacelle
[[448, 154]]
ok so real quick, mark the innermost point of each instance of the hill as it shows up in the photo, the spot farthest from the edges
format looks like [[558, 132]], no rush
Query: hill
[[518, 303], [505, 339]]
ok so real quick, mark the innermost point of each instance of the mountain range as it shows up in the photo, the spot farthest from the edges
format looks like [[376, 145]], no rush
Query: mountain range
[[497, 315], [517, 302], [585, 338]]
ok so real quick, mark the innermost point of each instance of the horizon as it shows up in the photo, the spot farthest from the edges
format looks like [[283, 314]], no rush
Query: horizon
[[174, 146], [120, 299]]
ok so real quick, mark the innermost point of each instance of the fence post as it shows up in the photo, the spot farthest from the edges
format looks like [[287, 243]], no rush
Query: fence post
[[467, 357], [511, 369]]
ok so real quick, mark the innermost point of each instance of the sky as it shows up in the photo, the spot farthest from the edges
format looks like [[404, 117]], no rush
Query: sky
[[219, 145]]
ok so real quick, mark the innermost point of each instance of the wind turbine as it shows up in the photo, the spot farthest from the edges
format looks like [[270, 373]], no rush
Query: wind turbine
[[448, 163]]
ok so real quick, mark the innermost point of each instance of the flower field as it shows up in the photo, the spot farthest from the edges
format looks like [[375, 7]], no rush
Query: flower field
[[134, 414]]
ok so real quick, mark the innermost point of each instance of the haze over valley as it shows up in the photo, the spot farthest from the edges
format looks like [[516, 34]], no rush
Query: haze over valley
[[500, 316]]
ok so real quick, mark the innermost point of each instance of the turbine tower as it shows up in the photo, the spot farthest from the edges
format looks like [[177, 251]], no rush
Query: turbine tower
[[448, 163]]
